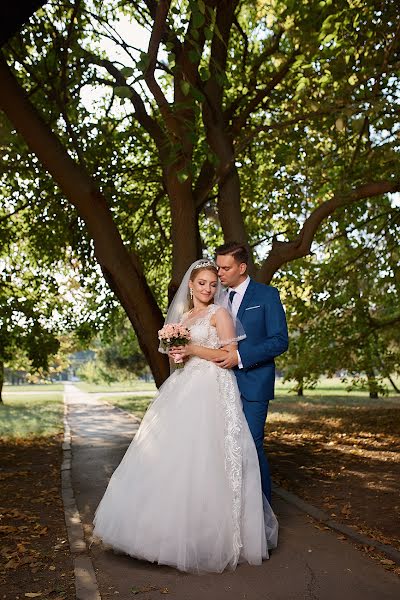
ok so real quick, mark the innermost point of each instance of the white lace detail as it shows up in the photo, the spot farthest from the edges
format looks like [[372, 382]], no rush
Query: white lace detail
[[233, 452], [201, 330]]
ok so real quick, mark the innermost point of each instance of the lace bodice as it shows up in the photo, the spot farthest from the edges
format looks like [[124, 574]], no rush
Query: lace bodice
[[201, 330]]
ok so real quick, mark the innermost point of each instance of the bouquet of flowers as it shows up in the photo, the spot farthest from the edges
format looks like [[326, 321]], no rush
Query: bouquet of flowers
[[174, 334]]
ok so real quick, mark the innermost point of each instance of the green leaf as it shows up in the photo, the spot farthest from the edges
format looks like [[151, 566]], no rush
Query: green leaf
[[123, 91], [204, 73], [357, 124], [198, 19], [182, 176], [143, 61], [193, 56], [208, 33], [185, 87], [202, 6], [127, 72], [218, 33], [302, 84], [196, 94]]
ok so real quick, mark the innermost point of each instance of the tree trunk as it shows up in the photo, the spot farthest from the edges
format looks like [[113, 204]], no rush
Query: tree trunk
[[229, 211], [372, 384], [300, 389], [184, 228], [120, 267], [396, 389], [15, 14], [1, 381]]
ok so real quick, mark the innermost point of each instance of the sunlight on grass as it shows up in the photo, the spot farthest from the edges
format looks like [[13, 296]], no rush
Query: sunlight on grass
[[132, 386], [29, 416], [134, 404], [35, 387], [285, 417], [320, 401], [329, 386]]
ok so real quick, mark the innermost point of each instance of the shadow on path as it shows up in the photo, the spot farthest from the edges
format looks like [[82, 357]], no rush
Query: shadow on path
[[309, 564]]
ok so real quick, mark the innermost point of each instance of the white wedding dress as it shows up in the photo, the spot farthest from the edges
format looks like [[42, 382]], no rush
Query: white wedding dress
[[187, 493]]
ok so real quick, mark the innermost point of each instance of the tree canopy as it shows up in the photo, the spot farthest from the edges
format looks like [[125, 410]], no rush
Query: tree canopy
[[274, 123]]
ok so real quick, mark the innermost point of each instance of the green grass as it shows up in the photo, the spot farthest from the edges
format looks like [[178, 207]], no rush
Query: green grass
[[329, 387], [35, 387], [115, 387], [31, 416], [133, 404], [330, 393], [324, 401]]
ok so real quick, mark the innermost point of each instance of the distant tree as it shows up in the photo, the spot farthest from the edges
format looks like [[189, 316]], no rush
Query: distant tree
[[343, 310]]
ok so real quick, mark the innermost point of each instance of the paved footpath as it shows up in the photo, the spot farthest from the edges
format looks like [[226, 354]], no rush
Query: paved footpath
[[309, 564]]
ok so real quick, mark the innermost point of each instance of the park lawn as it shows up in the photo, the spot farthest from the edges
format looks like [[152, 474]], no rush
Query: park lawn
[[132, 386], [332, 386], [133, 404], [24, 416], [34, 551], [33, 387]]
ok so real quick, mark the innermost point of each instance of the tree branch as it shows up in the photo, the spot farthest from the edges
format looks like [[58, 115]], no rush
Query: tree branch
[[152, 53], [145, 120], [245, 40], [240, 121], [283, 252]]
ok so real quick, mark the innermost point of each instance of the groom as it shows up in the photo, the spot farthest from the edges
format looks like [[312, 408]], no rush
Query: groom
[[259, 309]]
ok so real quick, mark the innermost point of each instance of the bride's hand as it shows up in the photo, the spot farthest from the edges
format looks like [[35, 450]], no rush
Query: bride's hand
[[184, 351]]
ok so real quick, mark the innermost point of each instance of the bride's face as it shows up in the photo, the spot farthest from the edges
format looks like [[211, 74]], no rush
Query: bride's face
[[204, 286]]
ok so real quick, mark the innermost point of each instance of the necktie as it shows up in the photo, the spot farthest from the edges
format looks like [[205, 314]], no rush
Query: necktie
[[231, 295]]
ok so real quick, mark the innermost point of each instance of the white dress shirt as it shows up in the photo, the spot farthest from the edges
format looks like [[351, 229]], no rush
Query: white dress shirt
[[236, 302], [238, 297]]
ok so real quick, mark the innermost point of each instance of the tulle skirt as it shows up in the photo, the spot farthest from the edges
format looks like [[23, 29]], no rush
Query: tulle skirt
[[187, 492]]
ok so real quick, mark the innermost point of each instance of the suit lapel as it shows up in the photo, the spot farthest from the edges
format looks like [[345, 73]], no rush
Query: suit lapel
[[251, 288]]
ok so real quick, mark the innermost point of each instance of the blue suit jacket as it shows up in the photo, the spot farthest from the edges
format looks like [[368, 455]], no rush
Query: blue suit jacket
[[263, 318]]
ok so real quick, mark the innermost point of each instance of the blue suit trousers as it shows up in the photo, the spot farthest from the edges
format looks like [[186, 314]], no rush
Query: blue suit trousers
[[256, 415]]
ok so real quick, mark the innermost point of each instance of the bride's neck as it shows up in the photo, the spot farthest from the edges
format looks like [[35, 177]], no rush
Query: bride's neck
[[198, 306]]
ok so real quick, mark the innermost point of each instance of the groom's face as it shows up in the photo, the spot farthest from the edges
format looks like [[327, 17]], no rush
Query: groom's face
[[230, 272]]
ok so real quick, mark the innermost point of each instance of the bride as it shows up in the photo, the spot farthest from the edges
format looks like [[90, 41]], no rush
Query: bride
[[187, 492]]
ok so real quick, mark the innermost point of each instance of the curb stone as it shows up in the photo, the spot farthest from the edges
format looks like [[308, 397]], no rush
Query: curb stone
[[86, 587], [325, 518]]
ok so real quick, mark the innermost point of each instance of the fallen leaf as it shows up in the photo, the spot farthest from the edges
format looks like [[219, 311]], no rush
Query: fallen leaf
[[12, 564], [8, 529], [146, 588], [33, 594], [387, 561]]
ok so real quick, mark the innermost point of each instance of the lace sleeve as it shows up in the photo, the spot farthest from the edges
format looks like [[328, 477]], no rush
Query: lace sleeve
[[226, 327]]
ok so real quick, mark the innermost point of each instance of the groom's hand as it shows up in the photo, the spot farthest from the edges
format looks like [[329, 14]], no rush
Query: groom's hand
[[229, 361]]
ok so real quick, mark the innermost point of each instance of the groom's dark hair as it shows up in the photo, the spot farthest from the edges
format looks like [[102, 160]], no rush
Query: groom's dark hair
[[238, 251]]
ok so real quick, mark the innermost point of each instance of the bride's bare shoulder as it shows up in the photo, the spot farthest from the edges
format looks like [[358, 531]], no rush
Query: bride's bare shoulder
[[218, 312]]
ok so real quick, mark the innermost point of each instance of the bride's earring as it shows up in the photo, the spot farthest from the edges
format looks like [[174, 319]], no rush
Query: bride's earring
[[191, 293]]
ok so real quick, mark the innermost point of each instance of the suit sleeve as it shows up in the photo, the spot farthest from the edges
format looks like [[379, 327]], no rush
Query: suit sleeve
[[277, 341]]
